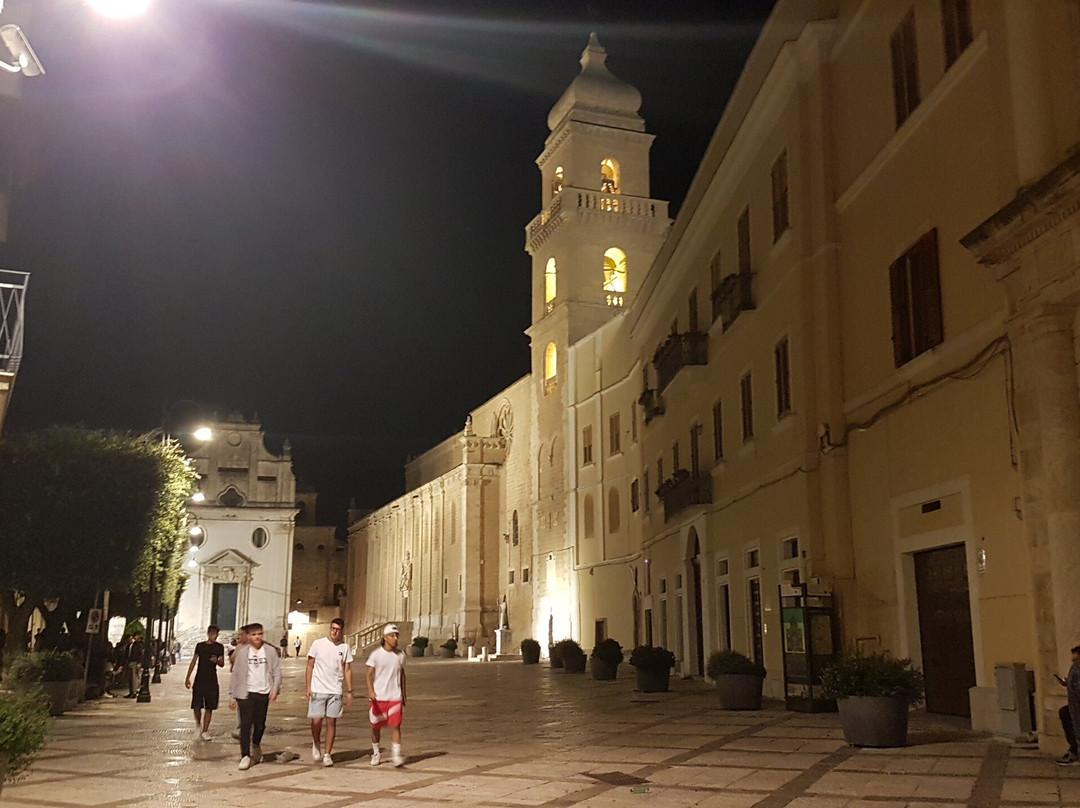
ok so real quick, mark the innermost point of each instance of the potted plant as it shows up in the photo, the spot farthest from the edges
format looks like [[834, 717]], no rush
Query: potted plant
[[573, 658], [738, 680], [605, 659], [653, 666], [419, 646], [555, 656], [874, 693], [449, 648], [24, 721], [54, 671], [530, 651]]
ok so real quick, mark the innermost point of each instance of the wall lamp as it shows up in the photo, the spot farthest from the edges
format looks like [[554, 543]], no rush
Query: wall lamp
[[26, 61]]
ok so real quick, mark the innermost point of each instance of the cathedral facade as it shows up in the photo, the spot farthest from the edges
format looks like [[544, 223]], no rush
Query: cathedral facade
[[849, 364]]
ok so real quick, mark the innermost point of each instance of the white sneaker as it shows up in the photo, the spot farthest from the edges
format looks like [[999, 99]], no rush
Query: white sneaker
[[256, 753], [327, 760], [399, 759], [316, 753], [376, 758], [245, 763], [205, 736]]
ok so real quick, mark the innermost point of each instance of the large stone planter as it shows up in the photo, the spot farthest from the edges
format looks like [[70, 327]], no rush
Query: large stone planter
[[575, 664], [652, 681], [449, 653], [739, 691], [604, 671], [530, 656], [417, 650], [874, 721], [57, 694]]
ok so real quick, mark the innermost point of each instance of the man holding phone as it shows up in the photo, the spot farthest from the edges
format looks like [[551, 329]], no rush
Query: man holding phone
[[1070, 713]]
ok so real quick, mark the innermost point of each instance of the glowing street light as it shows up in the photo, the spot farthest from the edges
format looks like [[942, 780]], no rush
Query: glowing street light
[[203, 433], [198, 496], [119, 9]]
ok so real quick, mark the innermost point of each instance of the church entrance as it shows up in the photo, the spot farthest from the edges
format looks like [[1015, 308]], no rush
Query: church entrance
[[948, 655]]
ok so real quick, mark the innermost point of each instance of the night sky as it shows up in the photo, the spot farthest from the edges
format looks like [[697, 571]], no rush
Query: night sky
[[314, 212]]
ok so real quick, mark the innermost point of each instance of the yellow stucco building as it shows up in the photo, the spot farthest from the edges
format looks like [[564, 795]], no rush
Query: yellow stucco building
[[849, 362]]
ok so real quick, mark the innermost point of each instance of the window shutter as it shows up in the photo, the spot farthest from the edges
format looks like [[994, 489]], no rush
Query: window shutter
[[896, 47], [927, 285], [901, 312]]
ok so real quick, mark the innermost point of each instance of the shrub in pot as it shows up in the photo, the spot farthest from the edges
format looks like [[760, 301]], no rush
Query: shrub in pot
[[555, 656], [873, 693], [52, 671], [738, 680], [653, 667], [530, 651], [449, 648], [24, 721], [419, 646], [605, 659], [572, 656]]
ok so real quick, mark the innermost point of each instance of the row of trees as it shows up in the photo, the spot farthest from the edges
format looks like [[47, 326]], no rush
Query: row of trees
[[82, 511]]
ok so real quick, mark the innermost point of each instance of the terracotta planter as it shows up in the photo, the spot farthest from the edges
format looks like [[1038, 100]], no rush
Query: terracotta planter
[[653, 681], [874, 721], [739, 691], [604, 671], [574, 664]]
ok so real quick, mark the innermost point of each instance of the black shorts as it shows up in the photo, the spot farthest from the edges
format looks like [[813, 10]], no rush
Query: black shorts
[[205, 699]]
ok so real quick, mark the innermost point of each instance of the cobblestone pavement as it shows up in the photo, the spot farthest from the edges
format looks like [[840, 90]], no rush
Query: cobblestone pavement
[[507, 734]]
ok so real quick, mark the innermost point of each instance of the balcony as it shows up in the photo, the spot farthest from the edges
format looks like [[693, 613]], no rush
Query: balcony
[[652, 405], [678, 351], [638, 212], [683, 490], [733, 297]]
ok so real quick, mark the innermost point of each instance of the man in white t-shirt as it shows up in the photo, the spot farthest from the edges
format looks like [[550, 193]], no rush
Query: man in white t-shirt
[[254, 683], [386, 693], [329, 663]]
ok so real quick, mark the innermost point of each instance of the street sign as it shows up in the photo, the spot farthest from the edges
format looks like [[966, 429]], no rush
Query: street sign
[[93, 621]]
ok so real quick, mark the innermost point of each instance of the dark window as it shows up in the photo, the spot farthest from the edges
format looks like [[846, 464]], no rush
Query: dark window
[[691, 304], [744, 243], [915, 286], [905, 68], [779, 196], [746, 392], [716, 281], [511, 576], [956, 26], [232, 470], [695, 453], [525, 575], [613, 434], [586, 445], [718, 431], [634, 494], [645, 490], [783, 378], [675, 463], [266, 478], [515, 528], [659, 470], [633, 421]]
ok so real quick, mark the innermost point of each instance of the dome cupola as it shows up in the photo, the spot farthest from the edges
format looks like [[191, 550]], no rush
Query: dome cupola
[[597, 96]]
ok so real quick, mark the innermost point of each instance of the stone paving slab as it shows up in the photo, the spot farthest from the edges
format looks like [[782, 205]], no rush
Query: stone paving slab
[[503, 734]]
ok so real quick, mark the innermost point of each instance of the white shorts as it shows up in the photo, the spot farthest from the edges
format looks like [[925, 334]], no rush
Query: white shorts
[[326, 705]]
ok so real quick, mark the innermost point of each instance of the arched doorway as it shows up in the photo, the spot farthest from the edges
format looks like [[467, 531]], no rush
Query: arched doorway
[[697, 646]]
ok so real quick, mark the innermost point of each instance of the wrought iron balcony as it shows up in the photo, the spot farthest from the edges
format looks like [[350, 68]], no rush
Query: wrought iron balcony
[[683, 490], [733, 297], [678, 351], [652, 405]]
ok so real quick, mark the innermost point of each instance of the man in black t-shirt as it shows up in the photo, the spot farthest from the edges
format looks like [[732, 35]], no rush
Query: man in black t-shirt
[[209, 656]]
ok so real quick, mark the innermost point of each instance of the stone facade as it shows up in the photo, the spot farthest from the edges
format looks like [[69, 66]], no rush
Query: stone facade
[[318, 572], [242, 569], [808, 377]]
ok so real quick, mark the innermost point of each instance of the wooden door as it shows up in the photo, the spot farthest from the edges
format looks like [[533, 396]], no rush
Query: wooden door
[[945, 629]]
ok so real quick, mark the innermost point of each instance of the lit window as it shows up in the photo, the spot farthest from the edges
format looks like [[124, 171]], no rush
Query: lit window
[[614, 276], [550, 278], [557, 181], [609, 183], [551, 367]]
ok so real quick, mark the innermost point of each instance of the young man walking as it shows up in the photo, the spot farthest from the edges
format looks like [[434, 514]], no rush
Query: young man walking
[[254, 683], [1070, 713], [386, 694], [329, 664], [209, 656]]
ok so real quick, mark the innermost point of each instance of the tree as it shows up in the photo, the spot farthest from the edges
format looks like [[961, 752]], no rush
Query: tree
[[84, 510]]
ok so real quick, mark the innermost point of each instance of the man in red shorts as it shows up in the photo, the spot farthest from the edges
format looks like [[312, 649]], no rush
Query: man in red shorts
[[386, 693]]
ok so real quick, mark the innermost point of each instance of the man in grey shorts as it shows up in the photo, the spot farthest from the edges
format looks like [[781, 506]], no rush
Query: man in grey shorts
[[329, 664]]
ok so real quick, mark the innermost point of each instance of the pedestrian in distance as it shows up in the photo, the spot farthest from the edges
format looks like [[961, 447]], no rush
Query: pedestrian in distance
[[386, 694], [329, 664], [1070, 713], [254, 683], [296, 645], [133, 659], [208, 656], [284, 646]]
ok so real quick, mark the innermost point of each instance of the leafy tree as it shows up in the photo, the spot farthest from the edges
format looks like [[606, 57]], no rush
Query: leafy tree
[[84, 510]]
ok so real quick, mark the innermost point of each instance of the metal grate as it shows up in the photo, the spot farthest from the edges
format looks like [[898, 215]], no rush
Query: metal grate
[[12, 295]]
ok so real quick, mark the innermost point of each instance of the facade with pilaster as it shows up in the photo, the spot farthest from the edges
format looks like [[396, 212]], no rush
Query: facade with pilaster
[[849, 362]]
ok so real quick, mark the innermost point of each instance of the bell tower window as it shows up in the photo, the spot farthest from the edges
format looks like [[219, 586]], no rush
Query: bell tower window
[[609, 183], [551, 367], [614, 277], [557, 181], [550, 278]]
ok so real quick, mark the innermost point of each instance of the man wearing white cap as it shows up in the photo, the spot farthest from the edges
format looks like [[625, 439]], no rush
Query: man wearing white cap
[[386, 693]]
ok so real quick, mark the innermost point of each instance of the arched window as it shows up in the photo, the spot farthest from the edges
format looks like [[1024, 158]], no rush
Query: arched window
[[515, 529], [613, 510], [614, 276], [587, 517], [551, 367], [550, 279], [609, 176], [557, 181]]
